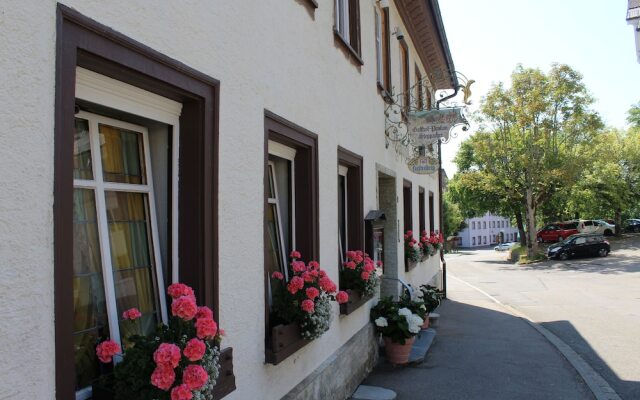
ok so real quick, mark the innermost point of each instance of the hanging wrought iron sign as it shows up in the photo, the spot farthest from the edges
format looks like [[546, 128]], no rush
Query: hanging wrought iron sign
[[425, 127], [423, 165]]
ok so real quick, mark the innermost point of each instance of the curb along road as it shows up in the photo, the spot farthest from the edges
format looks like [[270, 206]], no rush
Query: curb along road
[[596, 383]]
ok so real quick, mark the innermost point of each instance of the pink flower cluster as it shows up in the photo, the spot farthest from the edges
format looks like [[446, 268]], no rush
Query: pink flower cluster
[[360, 262], [169, 356], [308, 282]]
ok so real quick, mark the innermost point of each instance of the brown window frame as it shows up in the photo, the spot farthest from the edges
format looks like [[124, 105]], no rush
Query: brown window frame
[[419, 92], [406, 79], [355, 208], [385, 85], [353, 44], [421, 209], [407, 202], [432, 222], [306, 222], [83, 42]]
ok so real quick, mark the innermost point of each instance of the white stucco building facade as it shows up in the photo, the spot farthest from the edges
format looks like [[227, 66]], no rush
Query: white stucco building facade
[[217, 93], [487, 230], [633, 19]]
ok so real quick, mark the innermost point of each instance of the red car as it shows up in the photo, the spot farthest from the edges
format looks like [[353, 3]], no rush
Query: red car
[[557, 231]]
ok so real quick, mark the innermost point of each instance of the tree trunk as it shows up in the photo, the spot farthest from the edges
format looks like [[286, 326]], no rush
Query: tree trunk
[[618, 219], [532, 244], [521, 232]]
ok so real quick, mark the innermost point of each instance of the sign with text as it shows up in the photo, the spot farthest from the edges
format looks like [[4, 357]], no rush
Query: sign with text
[[426, 127], [423, 165]]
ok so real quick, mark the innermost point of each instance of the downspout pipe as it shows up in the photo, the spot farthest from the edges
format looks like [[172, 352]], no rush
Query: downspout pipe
[[440, 202]]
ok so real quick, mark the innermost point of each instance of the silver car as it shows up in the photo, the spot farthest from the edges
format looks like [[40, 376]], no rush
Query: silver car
[[596, 226]]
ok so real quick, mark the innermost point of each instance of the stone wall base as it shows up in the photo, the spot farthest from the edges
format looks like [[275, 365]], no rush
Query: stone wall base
[[339, 375]]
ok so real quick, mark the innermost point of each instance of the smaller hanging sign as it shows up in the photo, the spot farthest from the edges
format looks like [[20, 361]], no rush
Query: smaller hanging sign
[[425, 127], [423, 165]]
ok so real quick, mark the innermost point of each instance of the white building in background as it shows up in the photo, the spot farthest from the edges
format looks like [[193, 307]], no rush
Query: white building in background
[[487, 230], [145, 143], [633, 19]]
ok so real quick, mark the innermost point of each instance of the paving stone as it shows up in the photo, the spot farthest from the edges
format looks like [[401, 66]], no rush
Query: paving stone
[[365, 392], [421, 346]]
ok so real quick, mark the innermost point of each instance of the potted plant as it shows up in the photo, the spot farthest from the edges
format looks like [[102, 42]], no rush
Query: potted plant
[[301, 307], [431, 296], [398, 326], [359, 279], [435, 241], [424, 245], [412, 252], [177, 361]]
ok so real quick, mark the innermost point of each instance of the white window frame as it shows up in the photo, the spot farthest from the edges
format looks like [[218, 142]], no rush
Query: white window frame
[[99, 186], [287, 153], [342, 19], [343, 242], [108, 92], [378, 22]]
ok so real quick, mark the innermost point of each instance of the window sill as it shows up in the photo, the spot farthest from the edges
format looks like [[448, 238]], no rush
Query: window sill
[[226, 379], [409, 265], [354, 55], [386, 96], [285, 340], [356, 299]]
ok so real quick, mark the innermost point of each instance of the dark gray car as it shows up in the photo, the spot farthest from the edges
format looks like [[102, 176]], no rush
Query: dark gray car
[[580, 245]]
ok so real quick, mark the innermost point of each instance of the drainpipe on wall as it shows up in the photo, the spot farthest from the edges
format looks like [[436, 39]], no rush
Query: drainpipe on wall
[[444, 263]]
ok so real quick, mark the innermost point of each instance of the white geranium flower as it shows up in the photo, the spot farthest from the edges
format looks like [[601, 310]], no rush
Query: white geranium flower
[[415, 323], [381, 322], [404, 311]]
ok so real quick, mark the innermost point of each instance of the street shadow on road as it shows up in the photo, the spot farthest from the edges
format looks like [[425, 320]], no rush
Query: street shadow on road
[[481, 353], [628, 390]]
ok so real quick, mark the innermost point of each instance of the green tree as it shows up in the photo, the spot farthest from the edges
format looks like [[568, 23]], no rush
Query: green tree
[[633, 115], [528, 147], [453, 218]]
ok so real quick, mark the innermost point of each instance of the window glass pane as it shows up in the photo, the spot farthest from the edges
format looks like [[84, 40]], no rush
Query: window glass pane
[[122, 155], [274, 253], [282, 179], [90, 315], [82, 168], [131, 254]]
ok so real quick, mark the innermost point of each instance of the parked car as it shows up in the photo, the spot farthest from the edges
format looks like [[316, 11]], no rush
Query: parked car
[[632, 225], [504, 246], [580, 245], [557, 231], [596, 226]]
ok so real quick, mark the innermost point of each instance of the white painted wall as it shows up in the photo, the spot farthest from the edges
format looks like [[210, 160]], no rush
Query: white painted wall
[[470, 231], [270, 55]]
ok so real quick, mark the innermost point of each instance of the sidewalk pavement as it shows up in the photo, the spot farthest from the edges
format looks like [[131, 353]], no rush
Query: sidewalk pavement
[[481, 351]]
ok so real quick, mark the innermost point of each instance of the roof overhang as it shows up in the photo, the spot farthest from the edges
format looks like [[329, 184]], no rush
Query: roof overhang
[[423, 21]]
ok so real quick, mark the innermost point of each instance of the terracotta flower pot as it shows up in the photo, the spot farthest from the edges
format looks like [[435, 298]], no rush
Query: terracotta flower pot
[[425, 324], [398, 353]]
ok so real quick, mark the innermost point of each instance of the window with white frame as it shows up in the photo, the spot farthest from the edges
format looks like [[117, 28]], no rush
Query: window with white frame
[[343, 233], [347, 22], [280, 215], [473, 225]]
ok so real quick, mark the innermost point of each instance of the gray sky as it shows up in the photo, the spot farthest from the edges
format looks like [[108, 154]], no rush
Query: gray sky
[[489, 37]]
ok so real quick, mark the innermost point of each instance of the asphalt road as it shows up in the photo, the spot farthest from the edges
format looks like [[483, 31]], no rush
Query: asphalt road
[[592, 304]]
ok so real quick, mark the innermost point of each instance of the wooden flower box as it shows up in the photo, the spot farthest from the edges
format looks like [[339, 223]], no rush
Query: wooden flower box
[[285, 340], [409, 264], [356, 299]]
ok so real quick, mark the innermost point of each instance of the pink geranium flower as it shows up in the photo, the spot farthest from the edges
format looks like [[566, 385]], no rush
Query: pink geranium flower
[[327, 284], [312, 293], [298, 266], [131, 314], [106, 350], [184, 307], [195, 376], [364, 275], [342, 297], [204, 312], [163, 377], [206, 328], [181, 392], [167, 355], [314, 265], [307, 306], [194, 350], [180, 289], [350, 265], [295, 254], [277, 275]]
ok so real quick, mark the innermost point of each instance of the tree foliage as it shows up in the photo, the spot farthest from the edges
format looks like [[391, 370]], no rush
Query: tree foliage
[[528, 146]]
